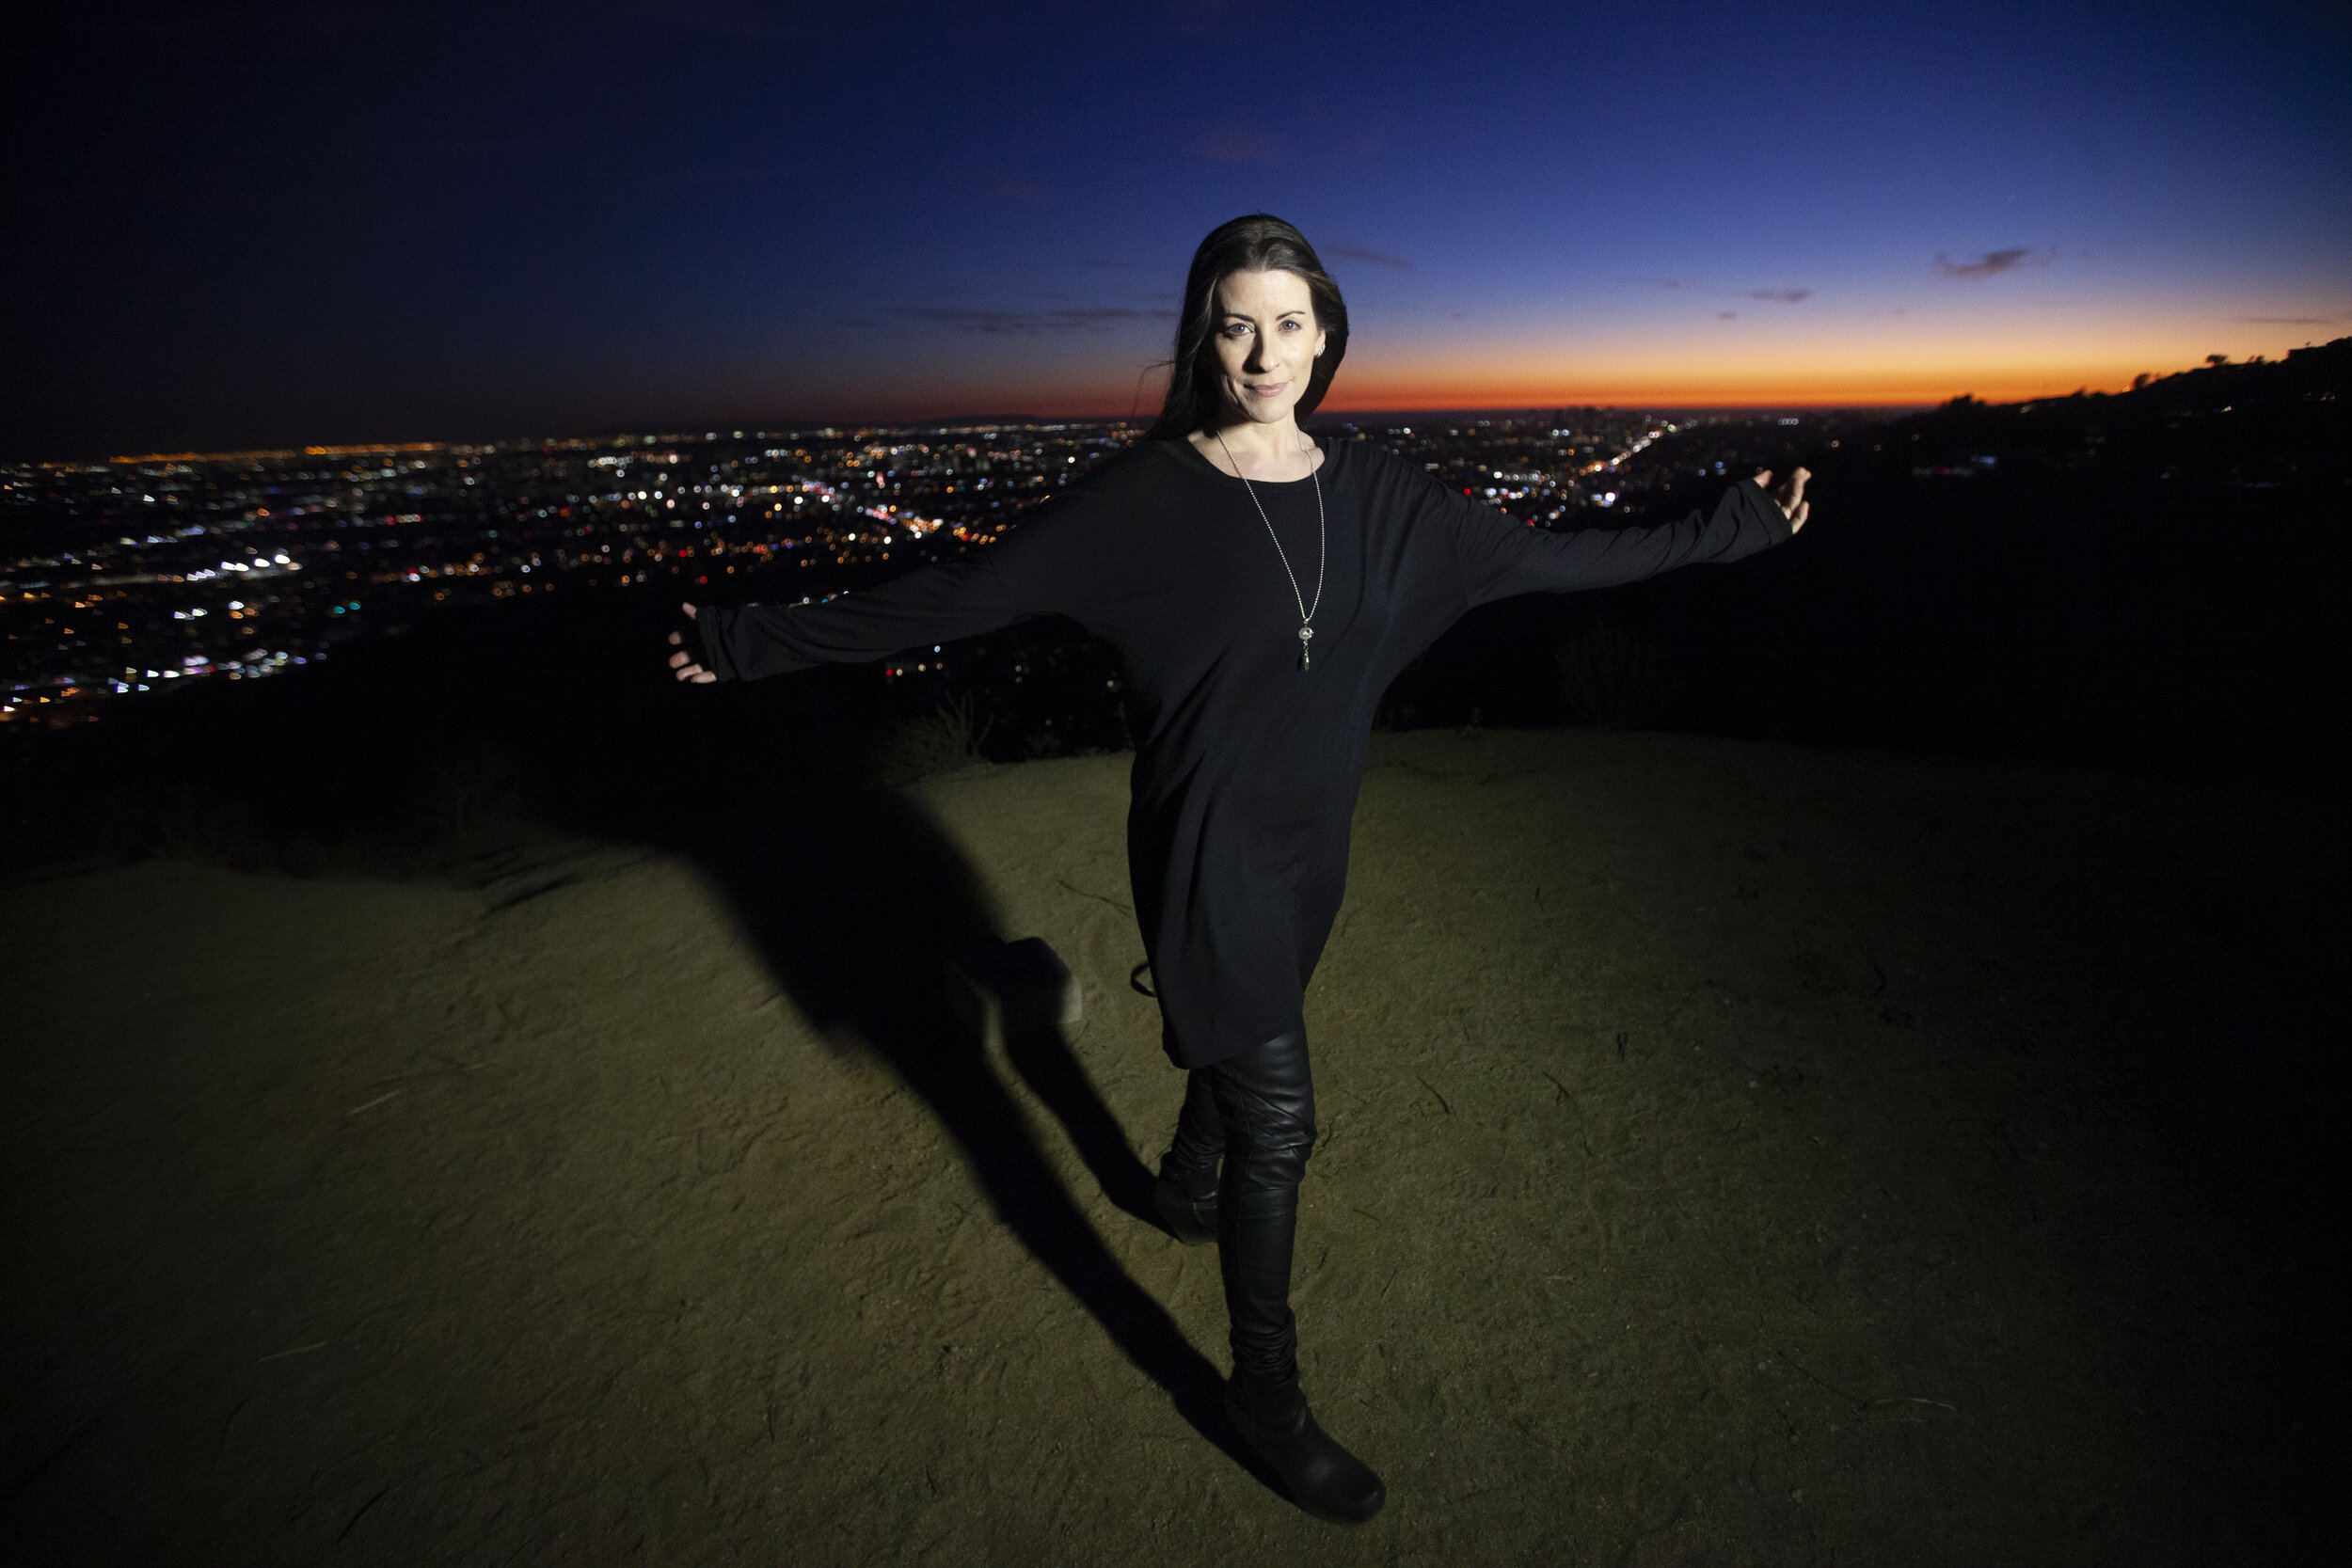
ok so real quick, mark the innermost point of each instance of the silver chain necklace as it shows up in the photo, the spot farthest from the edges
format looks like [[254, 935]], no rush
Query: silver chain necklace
[[1323, 552]]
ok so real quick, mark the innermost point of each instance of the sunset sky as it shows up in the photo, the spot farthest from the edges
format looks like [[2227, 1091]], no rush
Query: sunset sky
[[245, 225]]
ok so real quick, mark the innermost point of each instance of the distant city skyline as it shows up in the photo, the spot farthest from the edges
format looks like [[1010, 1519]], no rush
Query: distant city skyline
[[279, 226], [152, 573]]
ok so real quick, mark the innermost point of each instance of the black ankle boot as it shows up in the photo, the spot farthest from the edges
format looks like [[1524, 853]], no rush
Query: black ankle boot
[[1264, 1101], [1189, 1216], [1321, 1476]]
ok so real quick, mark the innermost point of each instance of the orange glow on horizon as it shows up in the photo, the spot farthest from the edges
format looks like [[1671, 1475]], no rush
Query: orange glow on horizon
[[1827, 387], [1823, 388], [1859, 372], [281, 454], [1690, 374]]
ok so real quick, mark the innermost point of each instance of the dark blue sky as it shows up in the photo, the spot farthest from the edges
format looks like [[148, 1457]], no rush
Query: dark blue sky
[[270, 224]]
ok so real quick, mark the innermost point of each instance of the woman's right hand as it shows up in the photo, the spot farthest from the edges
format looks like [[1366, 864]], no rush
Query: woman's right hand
[[1788, 496], [683, 664]]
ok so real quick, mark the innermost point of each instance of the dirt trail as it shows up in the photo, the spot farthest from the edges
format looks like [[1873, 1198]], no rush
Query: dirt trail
[[1730, 1154]]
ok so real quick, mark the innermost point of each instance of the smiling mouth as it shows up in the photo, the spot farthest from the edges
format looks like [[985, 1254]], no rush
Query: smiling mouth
[[1269, 389]]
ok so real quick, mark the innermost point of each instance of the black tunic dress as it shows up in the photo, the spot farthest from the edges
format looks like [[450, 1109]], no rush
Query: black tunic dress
[[1246, 768]]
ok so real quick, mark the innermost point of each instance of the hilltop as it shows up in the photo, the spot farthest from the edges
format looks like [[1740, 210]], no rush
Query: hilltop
[[1730, 1152]]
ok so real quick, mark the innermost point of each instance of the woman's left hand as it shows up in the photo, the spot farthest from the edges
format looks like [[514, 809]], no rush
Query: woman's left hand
[[1790, 497], [684, 664]]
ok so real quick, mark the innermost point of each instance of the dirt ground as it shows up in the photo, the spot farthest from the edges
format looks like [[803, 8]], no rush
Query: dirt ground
[[1729, 1154]]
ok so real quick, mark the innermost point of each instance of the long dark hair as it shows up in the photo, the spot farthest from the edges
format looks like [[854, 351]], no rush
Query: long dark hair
[[1197, 399]]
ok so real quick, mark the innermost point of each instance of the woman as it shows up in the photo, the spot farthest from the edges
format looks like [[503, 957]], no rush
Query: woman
[[1261, 589]]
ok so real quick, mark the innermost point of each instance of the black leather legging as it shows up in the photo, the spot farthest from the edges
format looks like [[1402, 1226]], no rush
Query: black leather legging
[[1257, 1110]]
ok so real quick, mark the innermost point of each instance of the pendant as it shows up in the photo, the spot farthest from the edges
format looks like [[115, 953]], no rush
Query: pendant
[[1306, 635]]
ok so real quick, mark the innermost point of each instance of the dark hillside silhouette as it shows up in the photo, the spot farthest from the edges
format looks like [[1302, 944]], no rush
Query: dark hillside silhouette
[[2153, 581]]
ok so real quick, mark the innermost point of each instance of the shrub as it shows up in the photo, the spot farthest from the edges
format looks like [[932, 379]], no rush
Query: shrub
[[1612, 679], [941, 741]]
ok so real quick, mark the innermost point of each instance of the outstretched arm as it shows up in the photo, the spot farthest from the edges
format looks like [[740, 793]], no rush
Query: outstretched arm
[[1499, 558], [936, 604], [1059, 560]]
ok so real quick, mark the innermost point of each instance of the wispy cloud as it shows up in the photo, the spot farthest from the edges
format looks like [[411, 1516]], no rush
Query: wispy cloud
[[1241, 146], [1776, 296], [1029, 324], [1726, 315], [1990, 264], [2288, 321], [1366, 254]]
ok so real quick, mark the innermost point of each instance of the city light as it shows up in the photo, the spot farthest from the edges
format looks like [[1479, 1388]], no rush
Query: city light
[[183, 566]]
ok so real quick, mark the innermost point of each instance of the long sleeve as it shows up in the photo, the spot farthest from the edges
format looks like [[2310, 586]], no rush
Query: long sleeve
[[1054, 562], [961, 598], [1498, 558]]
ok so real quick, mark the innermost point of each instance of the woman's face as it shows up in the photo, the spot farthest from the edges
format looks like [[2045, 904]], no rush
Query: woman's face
[[1267, 342]]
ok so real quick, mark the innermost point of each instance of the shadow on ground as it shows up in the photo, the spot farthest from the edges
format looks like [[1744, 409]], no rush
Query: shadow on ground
[[862, 909]]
